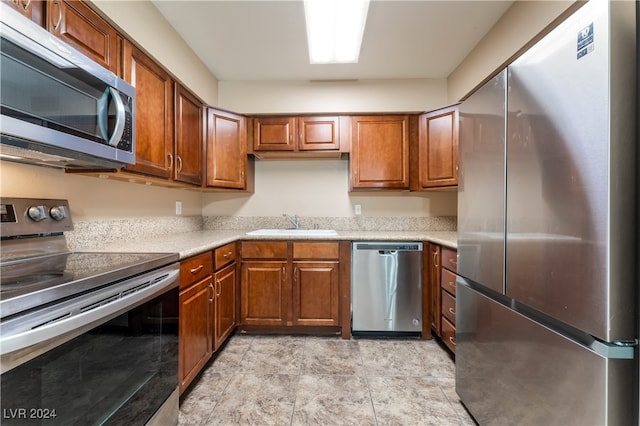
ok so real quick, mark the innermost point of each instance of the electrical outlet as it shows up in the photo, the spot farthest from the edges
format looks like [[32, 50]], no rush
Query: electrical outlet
[[357, 209], [178, 208]]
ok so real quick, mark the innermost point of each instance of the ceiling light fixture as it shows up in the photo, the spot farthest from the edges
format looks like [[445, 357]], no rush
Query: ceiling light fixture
[[334, 30]]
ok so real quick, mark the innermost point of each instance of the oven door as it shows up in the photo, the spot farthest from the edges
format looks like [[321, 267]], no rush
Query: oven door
[[110, 357]]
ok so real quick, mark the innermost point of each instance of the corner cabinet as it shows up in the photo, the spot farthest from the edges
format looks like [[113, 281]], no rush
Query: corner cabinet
[[438, 150], [380, 151], [227, 165]]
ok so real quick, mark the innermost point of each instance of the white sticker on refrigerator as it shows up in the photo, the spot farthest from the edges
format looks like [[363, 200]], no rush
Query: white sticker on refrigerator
[[585, 41]]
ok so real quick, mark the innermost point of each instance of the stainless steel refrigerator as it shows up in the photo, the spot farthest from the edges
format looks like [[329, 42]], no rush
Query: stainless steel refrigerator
[[547, 322]]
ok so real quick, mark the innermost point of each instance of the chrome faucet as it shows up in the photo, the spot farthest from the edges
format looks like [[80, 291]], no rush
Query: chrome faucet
[[295, 220]]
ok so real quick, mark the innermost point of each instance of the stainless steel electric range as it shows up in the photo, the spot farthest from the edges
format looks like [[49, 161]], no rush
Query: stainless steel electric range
[[85, 338]]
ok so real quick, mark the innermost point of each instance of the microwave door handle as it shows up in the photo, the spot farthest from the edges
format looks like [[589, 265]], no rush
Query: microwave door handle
[[103, 116]]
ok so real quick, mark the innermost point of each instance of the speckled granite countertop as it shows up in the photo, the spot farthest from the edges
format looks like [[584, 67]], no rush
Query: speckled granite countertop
[[191, 243]]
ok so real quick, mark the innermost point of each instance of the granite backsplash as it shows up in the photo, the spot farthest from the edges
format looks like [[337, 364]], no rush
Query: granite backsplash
[[93, 234]]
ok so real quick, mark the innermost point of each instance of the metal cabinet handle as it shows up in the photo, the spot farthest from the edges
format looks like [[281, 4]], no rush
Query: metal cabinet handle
[[57, 24], [170, 160], [26, 5], [197, 269], [179, 163], [227, 255], [452, 340], [455, 262], [219, 285], [213, 293], [452, 311], [435, 260]]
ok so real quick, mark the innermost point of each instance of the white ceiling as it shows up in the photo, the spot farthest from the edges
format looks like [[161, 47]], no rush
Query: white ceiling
[[266, 39]]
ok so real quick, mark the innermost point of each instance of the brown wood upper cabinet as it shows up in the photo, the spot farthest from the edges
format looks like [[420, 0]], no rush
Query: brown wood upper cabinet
[[297, 134], [438, 150], [226, 145], [32, 9], [77, 24], [188, 137], [380, 151], [154, 113]]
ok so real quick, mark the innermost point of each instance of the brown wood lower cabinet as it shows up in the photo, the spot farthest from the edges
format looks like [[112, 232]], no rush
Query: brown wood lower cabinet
[[196, 317], [290, 283], [208, 306], [225, 300], [442, 277], [315, 293], [263, 292]]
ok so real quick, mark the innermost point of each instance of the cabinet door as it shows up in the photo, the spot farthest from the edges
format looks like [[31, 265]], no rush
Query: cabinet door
[[380, 152], [188, 139], [319, 133], [225, 304], [196, 344], [434, 287], [438, 148], [75, 23], [226, 150], [274, 134], [154, 113], [315, 293], [32, 9], [264, 295]]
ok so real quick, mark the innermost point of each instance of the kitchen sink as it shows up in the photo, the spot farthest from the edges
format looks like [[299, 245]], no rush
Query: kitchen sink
[[300, 232]]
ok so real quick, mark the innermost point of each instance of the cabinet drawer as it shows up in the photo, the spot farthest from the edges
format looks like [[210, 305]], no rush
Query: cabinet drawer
[[449, 334], [195, 268], [449, 307], [307, 250], [224, 255], [449, 259], [448, 281], [264, 249]]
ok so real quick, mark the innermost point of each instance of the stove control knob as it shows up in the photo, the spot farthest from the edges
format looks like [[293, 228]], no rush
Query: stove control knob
[[57, 213], [37, 213]]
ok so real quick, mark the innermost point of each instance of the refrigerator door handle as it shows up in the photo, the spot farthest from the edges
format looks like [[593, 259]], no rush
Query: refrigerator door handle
[[615, 350]]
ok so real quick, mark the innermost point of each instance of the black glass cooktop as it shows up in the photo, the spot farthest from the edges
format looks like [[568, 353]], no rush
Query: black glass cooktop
[[30, 282]]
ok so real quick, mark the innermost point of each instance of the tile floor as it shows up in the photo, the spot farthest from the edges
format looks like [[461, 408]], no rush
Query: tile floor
[[300, 380]]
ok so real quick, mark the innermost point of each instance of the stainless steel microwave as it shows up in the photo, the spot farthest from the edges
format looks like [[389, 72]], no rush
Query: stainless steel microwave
[[58, 107]]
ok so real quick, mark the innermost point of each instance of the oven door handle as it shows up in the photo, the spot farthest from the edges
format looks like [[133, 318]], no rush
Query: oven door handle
[[78, 317]]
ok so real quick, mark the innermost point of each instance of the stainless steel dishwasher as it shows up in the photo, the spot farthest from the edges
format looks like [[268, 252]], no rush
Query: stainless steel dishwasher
[[386, 287]]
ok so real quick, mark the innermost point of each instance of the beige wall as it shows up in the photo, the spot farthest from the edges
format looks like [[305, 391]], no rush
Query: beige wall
[[142, 22], [91, 198], [521, 23], [346, 96], [320, 188]]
